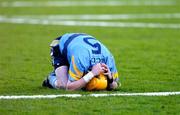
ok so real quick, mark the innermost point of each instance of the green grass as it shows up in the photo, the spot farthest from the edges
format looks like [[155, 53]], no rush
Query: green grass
[[148, 60], [108, 105], [89, 10]]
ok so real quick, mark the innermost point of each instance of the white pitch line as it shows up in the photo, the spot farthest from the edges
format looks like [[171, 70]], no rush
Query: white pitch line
[[39, 96], [104, 16], [87, 3], [89, 95], [17, 20], [137, 94]]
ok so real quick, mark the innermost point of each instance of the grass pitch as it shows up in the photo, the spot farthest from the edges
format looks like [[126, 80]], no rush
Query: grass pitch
[[148, 60]]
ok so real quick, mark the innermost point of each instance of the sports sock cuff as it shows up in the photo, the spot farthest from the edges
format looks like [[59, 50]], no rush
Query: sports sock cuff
[[53, 81]]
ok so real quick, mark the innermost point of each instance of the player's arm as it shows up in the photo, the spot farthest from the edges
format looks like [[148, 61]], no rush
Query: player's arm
[[112, 83], [78, 84], [112, 80]]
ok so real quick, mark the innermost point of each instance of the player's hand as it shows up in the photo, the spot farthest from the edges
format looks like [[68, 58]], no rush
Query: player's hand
[[97, 69], [107, 71], [104, 67]]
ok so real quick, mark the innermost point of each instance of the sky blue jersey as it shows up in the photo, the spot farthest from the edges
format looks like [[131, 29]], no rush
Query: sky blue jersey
[[83, 51]]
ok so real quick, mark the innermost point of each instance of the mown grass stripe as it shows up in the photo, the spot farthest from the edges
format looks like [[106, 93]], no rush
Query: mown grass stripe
[[17, 20], [86, 3], [104, 16]]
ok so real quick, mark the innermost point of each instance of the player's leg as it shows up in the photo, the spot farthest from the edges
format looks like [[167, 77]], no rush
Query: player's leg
[[58, 78], [47, 83], [62, 77]]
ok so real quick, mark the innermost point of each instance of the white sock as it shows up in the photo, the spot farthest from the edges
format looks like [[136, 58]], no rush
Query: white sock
[[53, 81]]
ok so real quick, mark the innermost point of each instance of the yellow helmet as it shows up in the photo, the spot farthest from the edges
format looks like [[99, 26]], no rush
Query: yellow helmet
[[97, 83]]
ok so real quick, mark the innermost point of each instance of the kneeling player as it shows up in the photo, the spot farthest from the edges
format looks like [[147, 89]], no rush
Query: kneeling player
[[78, 58]]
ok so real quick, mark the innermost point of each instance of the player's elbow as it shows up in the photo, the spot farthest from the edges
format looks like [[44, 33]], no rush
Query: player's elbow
[[113, 86]]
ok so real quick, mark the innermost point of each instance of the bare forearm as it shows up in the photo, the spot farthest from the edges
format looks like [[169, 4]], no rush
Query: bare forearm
[[76, 85]]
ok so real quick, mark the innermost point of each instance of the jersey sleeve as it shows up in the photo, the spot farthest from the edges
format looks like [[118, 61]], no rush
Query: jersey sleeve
[[112, 66], [75, 69]]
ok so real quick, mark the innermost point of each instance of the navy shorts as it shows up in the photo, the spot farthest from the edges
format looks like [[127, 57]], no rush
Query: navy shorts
[[57, 58]]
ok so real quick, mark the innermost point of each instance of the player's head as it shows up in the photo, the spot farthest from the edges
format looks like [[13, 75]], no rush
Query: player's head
[[97, 83]]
